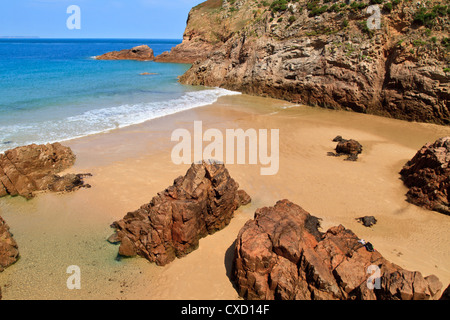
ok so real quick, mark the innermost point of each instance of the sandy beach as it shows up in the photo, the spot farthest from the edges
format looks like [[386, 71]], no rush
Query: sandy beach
[[130, 165]]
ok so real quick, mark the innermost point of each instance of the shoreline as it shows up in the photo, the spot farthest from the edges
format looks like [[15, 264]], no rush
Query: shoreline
[[131, 164]]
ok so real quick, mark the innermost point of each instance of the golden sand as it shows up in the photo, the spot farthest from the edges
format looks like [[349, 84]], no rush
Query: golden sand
[[131, 165]]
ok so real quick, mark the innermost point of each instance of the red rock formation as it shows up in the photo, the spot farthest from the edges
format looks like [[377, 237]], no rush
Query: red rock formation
[[282, 255], [427, 175], [9, 252], [171, 225], [26, 170], [201, 37], [141, 53]]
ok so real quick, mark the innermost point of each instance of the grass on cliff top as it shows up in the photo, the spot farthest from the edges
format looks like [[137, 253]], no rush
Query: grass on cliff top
[[209, 4]]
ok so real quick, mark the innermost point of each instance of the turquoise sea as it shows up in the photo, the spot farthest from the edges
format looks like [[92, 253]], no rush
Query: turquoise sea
[[54, 90]]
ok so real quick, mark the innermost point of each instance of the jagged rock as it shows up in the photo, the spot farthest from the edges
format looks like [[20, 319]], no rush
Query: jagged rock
[[171, 225], [142, 53], [29, 169], [367, 221], [281, 254], [446, 294], [427, 175], [351, 148], [324, 59], [9, 252]]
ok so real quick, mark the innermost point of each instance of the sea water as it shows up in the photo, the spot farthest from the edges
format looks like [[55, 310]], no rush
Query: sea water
[[55, 90]]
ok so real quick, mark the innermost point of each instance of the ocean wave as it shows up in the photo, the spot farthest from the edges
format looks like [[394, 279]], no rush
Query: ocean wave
[[104, 119]]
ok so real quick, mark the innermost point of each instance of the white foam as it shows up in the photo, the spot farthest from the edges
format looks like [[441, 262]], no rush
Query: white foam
[[103, 120]]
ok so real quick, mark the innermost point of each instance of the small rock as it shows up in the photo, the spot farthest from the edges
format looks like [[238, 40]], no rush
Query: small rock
[[367, 221], [351, 148]]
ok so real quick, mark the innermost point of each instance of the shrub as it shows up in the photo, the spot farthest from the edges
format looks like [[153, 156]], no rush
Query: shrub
[[388, 7]]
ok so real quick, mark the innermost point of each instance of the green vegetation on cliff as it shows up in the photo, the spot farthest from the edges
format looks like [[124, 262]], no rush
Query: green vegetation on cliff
[[331, 53]]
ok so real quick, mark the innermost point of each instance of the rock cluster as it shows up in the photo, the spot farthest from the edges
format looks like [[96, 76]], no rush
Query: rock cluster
[[141, 53], [9, 252], [427, 175], [171, 225], [26, 170], [281, 254]]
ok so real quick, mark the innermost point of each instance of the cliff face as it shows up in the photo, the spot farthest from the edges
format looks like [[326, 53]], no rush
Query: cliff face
[[323, 53]]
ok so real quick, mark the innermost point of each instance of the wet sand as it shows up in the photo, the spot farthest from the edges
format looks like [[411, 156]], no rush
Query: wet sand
[[131, 165]]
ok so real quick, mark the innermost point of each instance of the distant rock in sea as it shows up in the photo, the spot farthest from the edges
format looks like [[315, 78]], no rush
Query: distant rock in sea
[[29, 169], [171, 225], [141, 53], [427, 175], [282, 255]]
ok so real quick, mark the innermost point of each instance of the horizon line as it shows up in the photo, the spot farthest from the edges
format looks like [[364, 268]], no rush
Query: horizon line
[[86, 38]]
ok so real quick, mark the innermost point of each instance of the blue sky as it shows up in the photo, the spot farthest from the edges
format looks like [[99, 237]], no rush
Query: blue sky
[[99, 18]]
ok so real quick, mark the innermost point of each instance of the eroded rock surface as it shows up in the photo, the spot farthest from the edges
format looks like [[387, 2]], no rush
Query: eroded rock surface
[[142, 53], [321, 53], [171, 225], [9, 252], [29, 169], [427, 175], [281, 254]]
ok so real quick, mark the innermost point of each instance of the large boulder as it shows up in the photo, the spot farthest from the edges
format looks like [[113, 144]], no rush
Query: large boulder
[[281, 254], [29, 169], [171, 225], [141, 53], [427, 176], [9, 252]]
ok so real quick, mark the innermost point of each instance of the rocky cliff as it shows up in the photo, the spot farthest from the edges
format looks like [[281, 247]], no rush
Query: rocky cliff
[[325, 53]]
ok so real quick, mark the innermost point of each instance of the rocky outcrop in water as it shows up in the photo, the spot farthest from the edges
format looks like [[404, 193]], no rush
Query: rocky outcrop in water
[[141, 53], [325, 54], [282, 255], [30, 169], [427, 175], [171, 225], [9, 252]]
